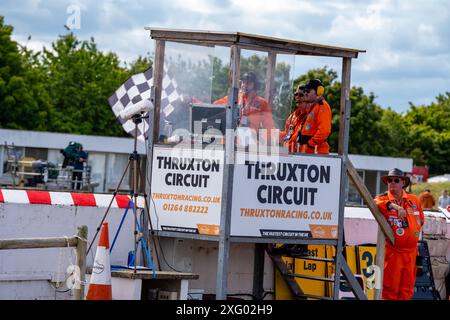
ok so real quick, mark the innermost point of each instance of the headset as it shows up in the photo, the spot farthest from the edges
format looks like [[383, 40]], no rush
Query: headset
[[320, 88]]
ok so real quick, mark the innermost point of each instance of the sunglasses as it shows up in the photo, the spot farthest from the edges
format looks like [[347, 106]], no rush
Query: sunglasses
[[396, 180], [301, 94]]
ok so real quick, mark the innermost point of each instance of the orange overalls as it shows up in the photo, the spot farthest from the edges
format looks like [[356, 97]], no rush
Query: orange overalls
[[400, 259], [316, 129], [288, 137], [254, 112]]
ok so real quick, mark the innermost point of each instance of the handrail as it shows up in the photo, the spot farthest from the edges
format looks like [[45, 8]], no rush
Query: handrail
[[79, 241]]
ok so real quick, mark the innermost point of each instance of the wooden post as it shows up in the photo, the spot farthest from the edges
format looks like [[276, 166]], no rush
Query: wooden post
[[270, 75], [379, 261], [81, 260], [344, 128], [158, 72], [344, 121]]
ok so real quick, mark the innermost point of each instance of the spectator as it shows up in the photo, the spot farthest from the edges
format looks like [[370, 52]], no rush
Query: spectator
[[427, 200], [444, 200]]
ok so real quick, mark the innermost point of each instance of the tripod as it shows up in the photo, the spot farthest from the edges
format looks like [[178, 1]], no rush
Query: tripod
[[134, 161]]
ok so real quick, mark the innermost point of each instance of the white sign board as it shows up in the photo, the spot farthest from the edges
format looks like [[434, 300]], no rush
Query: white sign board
[[293, 196], [186, 190]]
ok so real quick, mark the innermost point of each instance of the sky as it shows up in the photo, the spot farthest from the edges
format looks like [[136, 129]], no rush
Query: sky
[[407, 42]]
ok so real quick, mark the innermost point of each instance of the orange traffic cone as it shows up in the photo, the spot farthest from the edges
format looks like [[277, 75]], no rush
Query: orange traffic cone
[[100, 284]]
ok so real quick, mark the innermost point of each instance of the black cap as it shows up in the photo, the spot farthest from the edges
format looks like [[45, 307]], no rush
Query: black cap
[[397, 173], [313, 84], [251, 76]]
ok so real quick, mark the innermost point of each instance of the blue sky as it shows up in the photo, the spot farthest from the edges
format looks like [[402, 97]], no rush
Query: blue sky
[[407, 42]]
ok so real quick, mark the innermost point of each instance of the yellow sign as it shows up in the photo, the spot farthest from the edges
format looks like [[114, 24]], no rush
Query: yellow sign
[[366, 258], [311, 268]]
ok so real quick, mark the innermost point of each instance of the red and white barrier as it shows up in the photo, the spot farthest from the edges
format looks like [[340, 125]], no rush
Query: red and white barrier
[[65, 198]]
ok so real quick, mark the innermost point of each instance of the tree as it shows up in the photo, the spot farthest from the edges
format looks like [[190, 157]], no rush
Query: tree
[[80, 80], [429, 134], [24, 103], [395, 134], [139, 65]]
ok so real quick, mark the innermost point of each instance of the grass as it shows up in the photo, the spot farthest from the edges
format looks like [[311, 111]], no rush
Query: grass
[[435, 188]]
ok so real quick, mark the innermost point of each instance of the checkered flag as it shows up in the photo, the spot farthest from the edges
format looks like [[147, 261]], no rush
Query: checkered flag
[[137, 88]]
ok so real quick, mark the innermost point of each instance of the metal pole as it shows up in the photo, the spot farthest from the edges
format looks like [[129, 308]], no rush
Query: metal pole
[[258, 270], [227, 185], [135, 193]]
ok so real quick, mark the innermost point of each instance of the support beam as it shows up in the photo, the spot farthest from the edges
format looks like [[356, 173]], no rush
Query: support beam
[[379, 261], [158, 72], [270, 76], [227, 185], [344, 128], [362, 189], [258, 271], [356, 288], [344, 121], [290, 281]]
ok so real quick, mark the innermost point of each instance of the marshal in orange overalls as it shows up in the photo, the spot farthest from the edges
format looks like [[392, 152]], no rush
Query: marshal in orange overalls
[[316, 129], [288, 137], [400, 259], [254, 111]]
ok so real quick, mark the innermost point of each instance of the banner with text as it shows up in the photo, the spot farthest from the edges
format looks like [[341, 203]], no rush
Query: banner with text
[[288, 196], [186, 190]]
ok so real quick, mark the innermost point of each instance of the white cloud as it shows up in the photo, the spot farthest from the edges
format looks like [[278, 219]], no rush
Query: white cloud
[[404, 39], [197, 6], [427, 37]]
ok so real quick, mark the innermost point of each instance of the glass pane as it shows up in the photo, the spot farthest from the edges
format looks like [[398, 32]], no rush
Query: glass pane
[[282, 95], [188, 79], [371, 182], [97, 163], [55, 156], [116, 165], [36, 153]]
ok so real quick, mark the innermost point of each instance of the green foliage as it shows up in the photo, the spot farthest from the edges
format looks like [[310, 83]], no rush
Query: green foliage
[[81, 79], [23, 103], [429, 134], [139, 65]]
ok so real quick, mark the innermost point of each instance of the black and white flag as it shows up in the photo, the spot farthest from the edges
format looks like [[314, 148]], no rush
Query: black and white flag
[[137, 88]]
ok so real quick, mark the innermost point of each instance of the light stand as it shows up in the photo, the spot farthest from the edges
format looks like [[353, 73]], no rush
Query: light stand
[[134, 161]]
